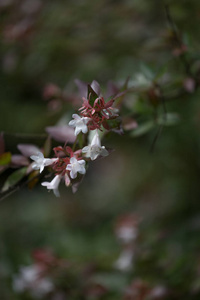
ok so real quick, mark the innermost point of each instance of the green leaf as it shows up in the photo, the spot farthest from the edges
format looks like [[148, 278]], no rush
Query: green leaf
[[143, 129], [80, 140], [14, 178], [92, 96], [5, 158], [168, 119], [114, 123]]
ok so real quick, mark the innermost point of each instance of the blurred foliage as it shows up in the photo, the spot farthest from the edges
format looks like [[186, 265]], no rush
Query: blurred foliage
[[57, 42]]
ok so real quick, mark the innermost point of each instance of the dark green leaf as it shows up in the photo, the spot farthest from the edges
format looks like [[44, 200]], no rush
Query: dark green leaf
[[92, 96], [114, 123], [47, 146], [14, 178]]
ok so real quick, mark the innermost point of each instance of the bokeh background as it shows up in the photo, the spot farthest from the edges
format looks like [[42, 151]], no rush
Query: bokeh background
[[44, 42]]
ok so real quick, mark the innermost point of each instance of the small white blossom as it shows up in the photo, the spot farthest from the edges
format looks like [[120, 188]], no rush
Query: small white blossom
[[127, 233], [41, 162], [79, 123], [30, 279], [125, 260], [95, 149], [76, 166], [53, 185]]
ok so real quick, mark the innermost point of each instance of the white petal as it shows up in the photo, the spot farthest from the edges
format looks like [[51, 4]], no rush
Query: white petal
[[45, 183], [69, 167], [56, 192], [82, 170], [73, 160], [76, 117], [77, 130], [84, 129], [73, 174], [72, 123], [41, 168], [86, 149], [104, 152], [81, 162], [34, 157]]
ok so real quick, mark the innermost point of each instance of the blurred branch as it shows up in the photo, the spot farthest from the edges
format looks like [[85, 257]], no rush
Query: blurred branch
[[179, 41], [27, 135], [10, 191], [158, 133]]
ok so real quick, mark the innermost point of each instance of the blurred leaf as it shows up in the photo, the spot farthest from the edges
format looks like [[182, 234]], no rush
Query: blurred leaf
[[147, 71], [14, 178], [47, 146], [92, 96], [33, 179], [19, 160], [61, 133], [28, 149], [114, 125], [143, 129], [80, 140], [5, 158], [96, 87], [168, 119]]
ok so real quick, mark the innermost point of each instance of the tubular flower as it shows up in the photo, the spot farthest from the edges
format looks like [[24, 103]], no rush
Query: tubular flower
[[95, 149], [53, 185], [79, 123], [76, 166], [41, 162]]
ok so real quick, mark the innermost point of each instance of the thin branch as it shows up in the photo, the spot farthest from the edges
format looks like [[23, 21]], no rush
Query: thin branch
[[158, 133], [173, 27], [26, 135]]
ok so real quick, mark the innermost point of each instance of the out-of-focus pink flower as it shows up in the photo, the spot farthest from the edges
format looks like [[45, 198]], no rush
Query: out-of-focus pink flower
[[189, 85]]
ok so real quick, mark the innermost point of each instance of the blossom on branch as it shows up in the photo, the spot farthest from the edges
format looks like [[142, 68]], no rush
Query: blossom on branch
[[41, 162], [53, 185], [79, 123], [95, 149], [76, 166]]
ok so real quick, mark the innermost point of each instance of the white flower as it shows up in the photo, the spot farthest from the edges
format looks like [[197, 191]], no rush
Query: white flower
[[41, 162], [79, 123], [125, 260], [76, 166], [30, 279], [127, 233], [53, 185], [95, 149]]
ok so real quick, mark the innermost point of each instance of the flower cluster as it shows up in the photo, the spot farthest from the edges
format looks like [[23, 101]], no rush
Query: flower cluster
[[70, 165]]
